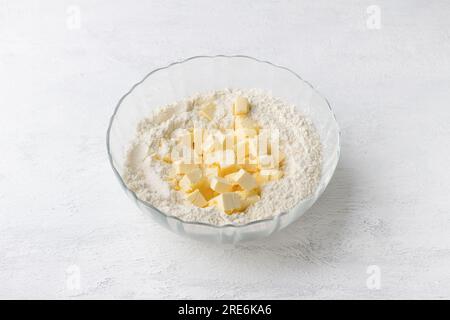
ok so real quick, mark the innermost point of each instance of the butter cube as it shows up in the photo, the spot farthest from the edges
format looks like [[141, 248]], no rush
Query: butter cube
[[242, 122], [223, 158], [211, 158], [171, 174], [250, 200], [173, 183], [228, 169], [220, 185], [252, 147], [248, 193], [213, 142], [204, 188], [246, 148], [229, 140], [178, 133], [271, 174], [241, 106], [261, 179], [266, 162], [241, 151], [184, 138], [231, 177], [167, 158], [197, 199], [244, 133], [211, 171], [228, 202], [190, 180], [249, 167], [245, 180], [198, 145], [208, 110], [227, 158], [277, 156], [183, 168], [209, 145]]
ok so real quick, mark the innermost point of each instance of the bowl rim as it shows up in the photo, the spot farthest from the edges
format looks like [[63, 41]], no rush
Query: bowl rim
[[227, 225]]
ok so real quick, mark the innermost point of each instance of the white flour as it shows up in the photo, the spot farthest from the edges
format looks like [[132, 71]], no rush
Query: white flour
[[298, 139]]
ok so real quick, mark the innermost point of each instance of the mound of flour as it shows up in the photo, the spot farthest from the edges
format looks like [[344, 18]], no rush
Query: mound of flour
[[298, 139]]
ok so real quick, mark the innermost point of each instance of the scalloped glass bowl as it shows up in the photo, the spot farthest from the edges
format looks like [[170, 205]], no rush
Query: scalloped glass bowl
[[205, 73]]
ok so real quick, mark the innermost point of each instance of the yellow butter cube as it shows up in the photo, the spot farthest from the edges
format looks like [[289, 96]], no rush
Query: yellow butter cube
[[241, 106], [183, 168], [243, 122], [213, 201], [213, 142], [260, 180], [226, 158], [222, 158], [171, 174], [208, 110], [246, 148], [241, 151], [197, 199], [211, 171], [231, 177], [207, 144], [245, 180], [184, 139], [248, 193], [252, 147], [252, 199], [249, 166], [226, 170], [198, 145], [229, 140], [220, 185], [244, 133], [190, 180], [246, 202], [228, 202], [266, 162], [277, 156], [204, 187], [167, 158], [173, 183], [210, 158], [155, 156], [271, 174]]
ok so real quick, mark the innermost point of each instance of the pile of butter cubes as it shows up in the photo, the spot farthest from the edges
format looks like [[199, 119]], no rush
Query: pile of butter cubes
[[223, 169]]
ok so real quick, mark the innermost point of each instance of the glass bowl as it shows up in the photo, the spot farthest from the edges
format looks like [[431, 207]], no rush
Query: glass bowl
[[205, 73]]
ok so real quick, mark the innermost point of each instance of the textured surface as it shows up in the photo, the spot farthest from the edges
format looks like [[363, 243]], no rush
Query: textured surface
[[63, 216]]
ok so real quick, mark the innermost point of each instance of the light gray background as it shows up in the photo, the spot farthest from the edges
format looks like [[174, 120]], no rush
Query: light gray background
[[62, 210]]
